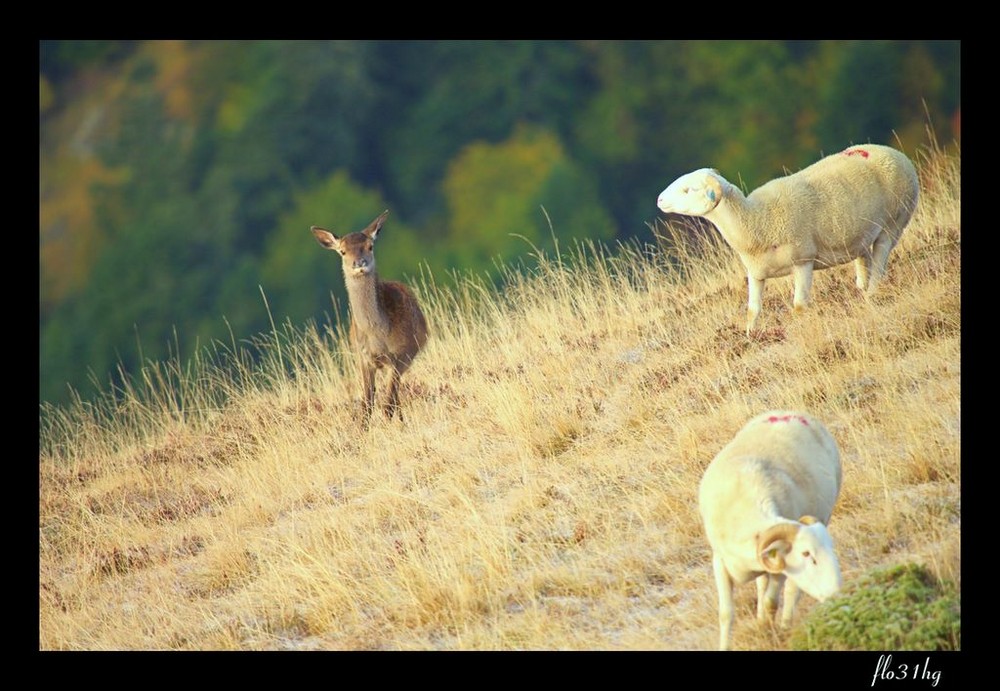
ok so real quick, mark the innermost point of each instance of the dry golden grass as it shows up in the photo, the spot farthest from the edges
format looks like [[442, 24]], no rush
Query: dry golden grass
[[541, 493]]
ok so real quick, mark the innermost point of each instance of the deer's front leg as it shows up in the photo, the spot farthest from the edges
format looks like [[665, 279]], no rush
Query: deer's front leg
[[367, 390], [392, 404]]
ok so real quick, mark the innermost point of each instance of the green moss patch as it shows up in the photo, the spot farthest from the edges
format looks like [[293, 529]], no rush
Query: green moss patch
[[898, 608]]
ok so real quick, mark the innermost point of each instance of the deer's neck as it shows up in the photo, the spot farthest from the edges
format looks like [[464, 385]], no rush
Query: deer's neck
[[366, 307]]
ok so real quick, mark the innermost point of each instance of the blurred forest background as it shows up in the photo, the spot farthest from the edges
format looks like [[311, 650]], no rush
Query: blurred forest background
[[178, 179]]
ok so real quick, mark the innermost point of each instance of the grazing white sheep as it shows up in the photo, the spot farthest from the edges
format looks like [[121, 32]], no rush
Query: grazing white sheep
[[849, 206], [765, 500]]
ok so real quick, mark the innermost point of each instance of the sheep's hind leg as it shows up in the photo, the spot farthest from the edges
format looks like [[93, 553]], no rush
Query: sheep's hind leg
[[802, 277], [862, 267], [880, 259]]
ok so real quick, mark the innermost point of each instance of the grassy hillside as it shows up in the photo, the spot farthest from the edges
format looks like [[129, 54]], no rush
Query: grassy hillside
[[541, 493]]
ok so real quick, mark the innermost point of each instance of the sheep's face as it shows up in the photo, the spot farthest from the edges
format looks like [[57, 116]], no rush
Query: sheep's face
[[694, 194], [811, 562]]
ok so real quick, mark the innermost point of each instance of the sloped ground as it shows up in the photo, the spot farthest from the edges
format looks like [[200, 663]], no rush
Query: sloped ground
[[541, 493]]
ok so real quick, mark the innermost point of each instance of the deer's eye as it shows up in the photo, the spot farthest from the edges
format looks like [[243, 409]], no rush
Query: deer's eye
[[369, 248], [806, 554], [343, 252]]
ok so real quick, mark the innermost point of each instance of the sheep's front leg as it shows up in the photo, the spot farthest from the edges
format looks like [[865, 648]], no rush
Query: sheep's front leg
[[790, 596], [802, 277], [724, 584], [767, 596], [755, 289]]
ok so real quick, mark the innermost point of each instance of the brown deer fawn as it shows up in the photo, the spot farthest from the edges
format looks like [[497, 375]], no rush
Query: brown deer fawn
[[387, 325]]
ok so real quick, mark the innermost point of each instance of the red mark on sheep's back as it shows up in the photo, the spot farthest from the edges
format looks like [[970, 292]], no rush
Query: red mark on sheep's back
[[788, 418], [856, 152]]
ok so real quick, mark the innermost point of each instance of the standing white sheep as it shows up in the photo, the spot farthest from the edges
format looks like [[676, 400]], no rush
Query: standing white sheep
[[849, 206], [765, 500]]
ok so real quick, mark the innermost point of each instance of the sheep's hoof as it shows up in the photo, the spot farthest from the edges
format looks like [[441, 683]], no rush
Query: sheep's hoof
[[766, 615]]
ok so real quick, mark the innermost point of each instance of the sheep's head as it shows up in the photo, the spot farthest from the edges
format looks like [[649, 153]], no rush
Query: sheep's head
[[694, 194], [803, 551]]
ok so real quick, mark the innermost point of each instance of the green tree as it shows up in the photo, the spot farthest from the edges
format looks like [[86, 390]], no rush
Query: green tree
[[59, 59], [667, 107], [442, 95], [290, 111], [178, 176], [167, 251], [494, 193], [861, 96], [640, 125], [298, 276]]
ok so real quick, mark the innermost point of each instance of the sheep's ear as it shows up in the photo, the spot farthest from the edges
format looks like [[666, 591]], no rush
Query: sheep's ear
[[325, 238], [773, 555], [375, 226]]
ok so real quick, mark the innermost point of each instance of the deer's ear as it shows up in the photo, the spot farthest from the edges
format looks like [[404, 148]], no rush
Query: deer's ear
[[325, 238], [375, 226]]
